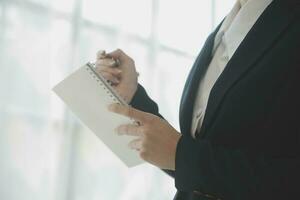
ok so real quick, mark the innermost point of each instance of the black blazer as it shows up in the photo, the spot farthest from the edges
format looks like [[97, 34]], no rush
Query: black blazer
[[248, 147]]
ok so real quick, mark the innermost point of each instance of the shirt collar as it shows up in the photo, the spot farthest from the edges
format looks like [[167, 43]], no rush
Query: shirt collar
[[239, 22], [226, 23]]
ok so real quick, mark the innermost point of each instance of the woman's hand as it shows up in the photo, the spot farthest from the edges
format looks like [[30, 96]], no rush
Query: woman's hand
[[156, 140], [122, 74]]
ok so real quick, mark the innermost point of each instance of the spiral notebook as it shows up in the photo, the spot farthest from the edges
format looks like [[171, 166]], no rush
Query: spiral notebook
[[88, 94]]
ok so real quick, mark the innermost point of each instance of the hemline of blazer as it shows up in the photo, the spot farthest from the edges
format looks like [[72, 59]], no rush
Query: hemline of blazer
[[248, 146]]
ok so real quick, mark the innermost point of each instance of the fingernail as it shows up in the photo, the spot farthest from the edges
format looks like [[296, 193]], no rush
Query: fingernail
[[120, 133], [111, 107], [117, 131], [112, 63]]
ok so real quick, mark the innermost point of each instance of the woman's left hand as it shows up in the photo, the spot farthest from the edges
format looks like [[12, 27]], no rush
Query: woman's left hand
[[156, 140]]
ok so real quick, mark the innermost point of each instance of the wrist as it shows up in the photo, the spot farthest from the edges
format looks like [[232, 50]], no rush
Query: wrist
[[176, 140], [131, 93]]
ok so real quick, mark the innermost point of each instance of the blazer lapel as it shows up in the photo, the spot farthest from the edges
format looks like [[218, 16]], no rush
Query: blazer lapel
[[260, 38], [191, 86]]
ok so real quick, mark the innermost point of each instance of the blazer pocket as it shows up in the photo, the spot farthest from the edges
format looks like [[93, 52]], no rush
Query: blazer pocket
[[197, 195]]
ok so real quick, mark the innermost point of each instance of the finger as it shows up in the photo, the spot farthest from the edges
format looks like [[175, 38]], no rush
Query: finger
[[101, 54], [128, 129], [135, 144], [116, 74], [129, 112], [110, 77], [109, 62], [113, 71]]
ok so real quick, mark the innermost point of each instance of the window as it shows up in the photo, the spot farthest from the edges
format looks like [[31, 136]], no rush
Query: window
[[46, 153]]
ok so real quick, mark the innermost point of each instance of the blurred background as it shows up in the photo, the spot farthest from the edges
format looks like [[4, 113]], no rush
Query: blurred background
[[45, 151]]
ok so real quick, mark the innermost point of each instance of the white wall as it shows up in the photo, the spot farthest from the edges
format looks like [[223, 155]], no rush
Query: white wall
[[45, 153]]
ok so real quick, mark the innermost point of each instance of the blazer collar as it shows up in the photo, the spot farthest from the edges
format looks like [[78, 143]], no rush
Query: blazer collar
[[192, 83], [267, 29]]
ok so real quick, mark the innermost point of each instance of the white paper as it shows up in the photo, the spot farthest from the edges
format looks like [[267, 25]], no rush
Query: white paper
[[88, 99]]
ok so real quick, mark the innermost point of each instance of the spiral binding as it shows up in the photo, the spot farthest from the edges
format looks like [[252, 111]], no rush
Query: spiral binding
[[104, 84]]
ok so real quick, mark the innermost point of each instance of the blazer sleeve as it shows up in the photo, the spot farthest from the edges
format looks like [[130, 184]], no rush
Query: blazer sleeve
[[143, 102]]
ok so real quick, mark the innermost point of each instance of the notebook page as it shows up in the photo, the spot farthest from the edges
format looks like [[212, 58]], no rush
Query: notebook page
[[88, 98]]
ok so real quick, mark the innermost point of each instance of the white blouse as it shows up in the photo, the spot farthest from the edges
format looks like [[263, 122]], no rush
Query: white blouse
[[232, 32]]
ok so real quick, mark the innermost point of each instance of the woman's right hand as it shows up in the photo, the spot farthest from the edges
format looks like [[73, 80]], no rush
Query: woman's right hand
[[122, 75]]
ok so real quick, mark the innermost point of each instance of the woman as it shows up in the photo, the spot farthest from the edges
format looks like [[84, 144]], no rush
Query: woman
[[239, 112]]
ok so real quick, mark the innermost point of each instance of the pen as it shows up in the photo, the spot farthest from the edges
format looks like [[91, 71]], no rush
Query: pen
[[102, 55]]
